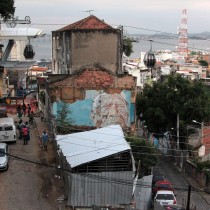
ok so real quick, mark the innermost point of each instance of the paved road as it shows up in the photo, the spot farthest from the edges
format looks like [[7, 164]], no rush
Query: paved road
[[199, 200], [27, 185]]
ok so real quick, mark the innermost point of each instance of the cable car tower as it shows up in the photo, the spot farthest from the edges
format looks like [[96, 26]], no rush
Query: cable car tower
[[182, 32]]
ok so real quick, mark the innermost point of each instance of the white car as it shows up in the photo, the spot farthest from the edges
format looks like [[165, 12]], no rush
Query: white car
[[4, 157], [165, 197]]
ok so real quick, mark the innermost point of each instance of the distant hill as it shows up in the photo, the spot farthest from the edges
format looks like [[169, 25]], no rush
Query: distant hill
[[203, 35]]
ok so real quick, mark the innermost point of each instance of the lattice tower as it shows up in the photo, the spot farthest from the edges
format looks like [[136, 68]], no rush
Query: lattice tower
[[182, 32]]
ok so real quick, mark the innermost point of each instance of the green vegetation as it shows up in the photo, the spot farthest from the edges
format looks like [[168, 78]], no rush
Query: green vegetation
[[64, 124], [203, 63], [127, 46], [204, 166], [144, 152], [7, 9], [163, 101]]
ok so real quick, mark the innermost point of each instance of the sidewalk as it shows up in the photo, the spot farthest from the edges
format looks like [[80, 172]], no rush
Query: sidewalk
[[53, 186], [205, 195]]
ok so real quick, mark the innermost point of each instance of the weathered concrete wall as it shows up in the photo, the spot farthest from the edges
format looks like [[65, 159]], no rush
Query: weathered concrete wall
[[96, 98], [199, 177], [73, 50], [95, 47]]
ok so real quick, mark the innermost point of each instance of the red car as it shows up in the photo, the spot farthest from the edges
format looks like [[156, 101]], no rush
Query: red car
[[162, 185]]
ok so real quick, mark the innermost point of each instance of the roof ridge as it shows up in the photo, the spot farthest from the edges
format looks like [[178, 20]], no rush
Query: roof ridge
[[90, 22]]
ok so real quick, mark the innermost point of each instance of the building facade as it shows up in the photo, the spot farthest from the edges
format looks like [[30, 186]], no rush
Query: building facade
[[87, 75]]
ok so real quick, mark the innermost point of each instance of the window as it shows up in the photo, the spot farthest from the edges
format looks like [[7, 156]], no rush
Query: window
[[165, 197], [8, 128], [2, 153]]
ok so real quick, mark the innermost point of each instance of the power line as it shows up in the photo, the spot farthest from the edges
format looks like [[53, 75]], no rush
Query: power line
[[139, 28]]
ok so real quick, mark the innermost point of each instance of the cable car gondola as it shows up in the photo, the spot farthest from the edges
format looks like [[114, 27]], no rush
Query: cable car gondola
[[29, 51], [149, 58]]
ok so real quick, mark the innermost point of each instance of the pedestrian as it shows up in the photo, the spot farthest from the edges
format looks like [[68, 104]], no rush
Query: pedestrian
[[24, 109], [19, 127], [19, 113], [25, 134], [28, 127], [45, 139], [29, 110], [31, 118]]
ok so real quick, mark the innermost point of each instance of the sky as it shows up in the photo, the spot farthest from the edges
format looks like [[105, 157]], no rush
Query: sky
[[136, 16]]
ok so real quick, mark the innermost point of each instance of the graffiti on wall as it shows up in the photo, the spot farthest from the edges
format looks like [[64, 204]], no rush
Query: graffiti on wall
[[100, 109], [109, 109]]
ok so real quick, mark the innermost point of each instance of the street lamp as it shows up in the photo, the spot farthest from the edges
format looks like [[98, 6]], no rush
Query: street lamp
[[177, 132], [202, 125]]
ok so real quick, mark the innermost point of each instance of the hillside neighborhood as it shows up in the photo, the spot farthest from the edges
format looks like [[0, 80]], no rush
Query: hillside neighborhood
[[93, 102]]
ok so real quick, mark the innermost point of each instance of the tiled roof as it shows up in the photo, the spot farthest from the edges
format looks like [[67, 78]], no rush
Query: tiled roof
[[91, 22]]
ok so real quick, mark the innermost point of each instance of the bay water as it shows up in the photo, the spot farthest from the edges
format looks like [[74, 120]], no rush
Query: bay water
[[43, 46]]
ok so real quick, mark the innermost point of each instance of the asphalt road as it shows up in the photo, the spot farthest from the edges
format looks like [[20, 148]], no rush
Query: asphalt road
[[27, 185], [198, 199]]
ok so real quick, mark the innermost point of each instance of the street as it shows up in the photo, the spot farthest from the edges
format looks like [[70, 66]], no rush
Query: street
[[27, 185], [198, 200]]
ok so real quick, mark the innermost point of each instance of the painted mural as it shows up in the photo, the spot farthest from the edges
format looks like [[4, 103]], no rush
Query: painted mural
[[101, 109], [109, 109]]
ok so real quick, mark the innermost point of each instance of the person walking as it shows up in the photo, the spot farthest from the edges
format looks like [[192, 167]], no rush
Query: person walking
[[29, 110], [28, 127], [19, 113], [25, 134], [24, 109], [19, 127], [45, 139]]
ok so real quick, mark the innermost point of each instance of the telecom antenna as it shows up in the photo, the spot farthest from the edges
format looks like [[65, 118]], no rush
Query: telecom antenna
[[182, 32], [89, 11]]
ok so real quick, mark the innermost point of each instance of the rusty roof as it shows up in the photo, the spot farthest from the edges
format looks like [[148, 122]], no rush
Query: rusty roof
[[91, 22]]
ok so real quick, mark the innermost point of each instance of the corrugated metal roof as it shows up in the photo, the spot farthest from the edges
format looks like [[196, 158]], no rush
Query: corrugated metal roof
[[84, 147]]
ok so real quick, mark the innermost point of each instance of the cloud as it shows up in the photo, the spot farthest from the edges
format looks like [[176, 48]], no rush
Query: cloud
[[163, 15]]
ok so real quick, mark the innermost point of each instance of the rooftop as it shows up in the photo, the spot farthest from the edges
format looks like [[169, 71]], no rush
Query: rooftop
[[91, 22]]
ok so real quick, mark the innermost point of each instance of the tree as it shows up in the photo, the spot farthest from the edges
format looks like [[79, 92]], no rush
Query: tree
[[161, 102], [144, 152], [203, 63], [64, 124], [127, 46], [7, 9]]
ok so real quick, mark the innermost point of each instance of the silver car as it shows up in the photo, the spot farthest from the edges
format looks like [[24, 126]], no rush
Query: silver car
[[4, 157]]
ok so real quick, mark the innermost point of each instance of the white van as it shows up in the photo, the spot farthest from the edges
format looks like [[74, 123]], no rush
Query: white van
[[7, 130]]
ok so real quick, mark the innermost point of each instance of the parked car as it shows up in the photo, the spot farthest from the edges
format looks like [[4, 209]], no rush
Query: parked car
[[162, 185], [4, 158], [157, 178], [7, 130], [165, 197], [174, 207]]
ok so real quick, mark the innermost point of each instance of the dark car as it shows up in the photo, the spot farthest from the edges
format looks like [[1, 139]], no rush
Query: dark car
[[157, 178]]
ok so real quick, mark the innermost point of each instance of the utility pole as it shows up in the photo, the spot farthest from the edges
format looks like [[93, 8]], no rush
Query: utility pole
[[188, 198], [177, 131]]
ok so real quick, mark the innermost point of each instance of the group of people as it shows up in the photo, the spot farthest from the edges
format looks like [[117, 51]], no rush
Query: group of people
[[22, 110], [24, 131]]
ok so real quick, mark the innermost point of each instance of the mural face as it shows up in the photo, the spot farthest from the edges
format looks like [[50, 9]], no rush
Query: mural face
[[109, 109]]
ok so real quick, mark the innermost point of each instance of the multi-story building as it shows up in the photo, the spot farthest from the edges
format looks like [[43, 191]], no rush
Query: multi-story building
[[87, 74]]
